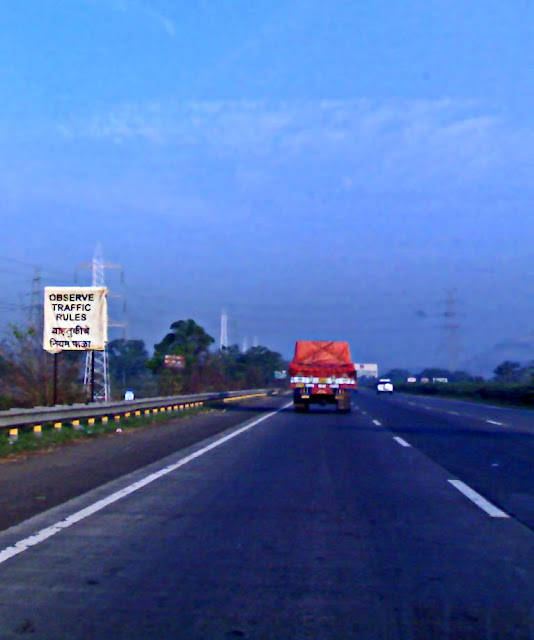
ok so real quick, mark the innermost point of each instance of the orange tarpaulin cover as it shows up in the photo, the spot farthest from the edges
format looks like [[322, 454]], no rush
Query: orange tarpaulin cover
[[318, 356]]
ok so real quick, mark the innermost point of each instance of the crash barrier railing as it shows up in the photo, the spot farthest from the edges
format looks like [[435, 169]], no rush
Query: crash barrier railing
[[75, 414]]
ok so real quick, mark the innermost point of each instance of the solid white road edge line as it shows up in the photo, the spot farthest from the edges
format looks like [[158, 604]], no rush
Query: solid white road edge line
[[48, 532], [481, 502], [401, 441], [377, 422]]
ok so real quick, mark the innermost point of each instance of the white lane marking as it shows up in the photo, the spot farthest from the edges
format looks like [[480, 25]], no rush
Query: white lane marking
[[412, 403], [453, 413], [402, 442], [377, 422], [364, 413], [500, 424], [481, 502], [48, 532]]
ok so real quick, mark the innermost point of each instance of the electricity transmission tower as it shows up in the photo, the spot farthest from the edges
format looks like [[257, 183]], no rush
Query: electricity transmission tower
[[451, 327], [97, 371], [223, 341], [35, 307]]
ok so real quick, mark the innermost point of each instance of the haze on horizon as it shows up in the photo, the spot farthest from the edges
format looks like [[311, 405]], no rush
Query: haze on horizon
[[318, 170]]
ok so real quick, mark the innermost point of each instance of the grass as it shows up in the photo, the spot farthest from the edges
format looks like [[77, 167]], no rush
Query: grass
[[518, 395], [52, 438]]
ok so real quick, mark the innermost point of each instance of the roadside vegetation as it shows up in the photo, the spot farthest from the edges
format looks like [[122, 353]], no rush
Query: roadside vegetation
[[52, 438], [183, 362], [512, 383]]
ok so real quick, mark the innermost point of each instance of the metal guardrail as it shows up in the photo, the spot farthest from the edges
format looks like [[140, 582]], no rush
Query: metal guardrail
[[65, 413]]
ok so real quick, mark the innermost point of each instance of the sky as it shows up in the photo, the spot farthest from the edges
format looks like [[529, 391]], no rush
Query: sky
[[319, 170]]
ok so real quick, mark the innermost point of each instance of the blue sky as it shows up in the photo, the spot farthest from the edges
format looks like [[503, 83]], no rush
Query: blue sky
[[319, 170]]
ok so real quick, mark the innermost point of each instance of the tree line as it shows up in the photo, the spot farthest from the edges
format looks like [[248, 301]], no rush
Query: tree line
[[26, 370], [507, 372]]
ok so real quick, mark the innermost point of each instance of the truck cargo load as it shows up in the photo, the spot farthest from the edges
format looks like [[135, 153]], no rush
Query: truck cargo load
[[322, 372]]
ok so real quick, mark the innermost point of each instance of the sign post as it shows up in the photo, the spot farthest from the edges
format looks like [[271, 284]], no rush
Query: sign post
[[75, 319], [54, 392]]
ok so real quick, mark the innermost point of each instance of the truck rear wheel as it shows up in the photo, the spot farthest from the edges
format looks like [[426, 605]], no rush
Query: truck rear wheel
[[343, 404]]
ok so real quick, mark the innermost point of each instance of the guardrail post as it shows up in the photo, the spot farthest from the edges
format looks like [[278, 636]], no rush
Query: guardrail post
[[37, 430]]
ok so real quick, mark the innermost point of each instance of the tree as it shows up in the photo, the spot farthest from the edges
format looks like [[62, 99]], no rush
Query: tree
[[397, 375], [509, 372], [261, 363], [26, 371], [187, 339], [128, 365]]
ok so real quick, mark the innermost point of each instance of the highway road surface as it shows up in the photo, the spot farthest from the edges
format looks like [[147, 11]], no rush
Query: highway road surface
[[410, 518]]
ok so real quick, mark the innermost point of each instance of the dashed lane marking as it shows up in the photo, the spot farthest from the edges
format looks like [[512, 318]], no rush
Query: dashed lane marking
[[453, 413], [481, 502], [402, 442], [500, 424], [377, 422], [48, 532]]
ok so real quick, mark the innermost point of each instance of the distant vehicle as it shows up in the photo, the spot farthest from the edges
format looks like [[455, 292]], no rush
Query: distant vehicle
[[384, 385], [322, 373]]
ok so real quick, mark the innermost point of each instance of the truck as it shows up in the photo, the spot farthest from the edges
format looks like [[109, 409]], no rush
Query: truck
[[322, 372]]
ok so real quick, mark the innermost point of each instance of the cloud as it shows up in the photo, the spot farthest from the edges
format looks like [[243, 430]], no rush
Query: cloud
[[366, 143], [140, 7]]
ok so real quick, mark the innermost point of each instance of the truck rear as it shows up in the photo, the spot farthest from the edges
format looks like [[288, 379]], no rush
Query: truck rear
[[322, 372]]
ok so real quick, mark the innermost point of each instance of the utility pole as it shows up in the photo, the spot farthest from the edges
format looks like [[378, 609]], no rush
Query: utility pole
[[96, 376], [223, 341]]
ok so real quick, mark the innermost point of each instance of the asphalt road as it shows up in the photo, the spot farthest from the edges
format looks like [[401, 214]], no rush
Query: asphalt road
[[295, 526]]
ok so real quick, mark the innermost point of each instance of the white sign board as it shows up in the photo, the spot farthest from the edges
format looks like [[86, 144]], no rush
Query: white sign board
[[366, 370], [75, 319]]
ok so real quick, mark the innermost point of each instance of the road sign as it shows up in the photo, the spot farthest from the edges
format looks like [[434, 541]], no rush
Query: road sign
[[75, 319]]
